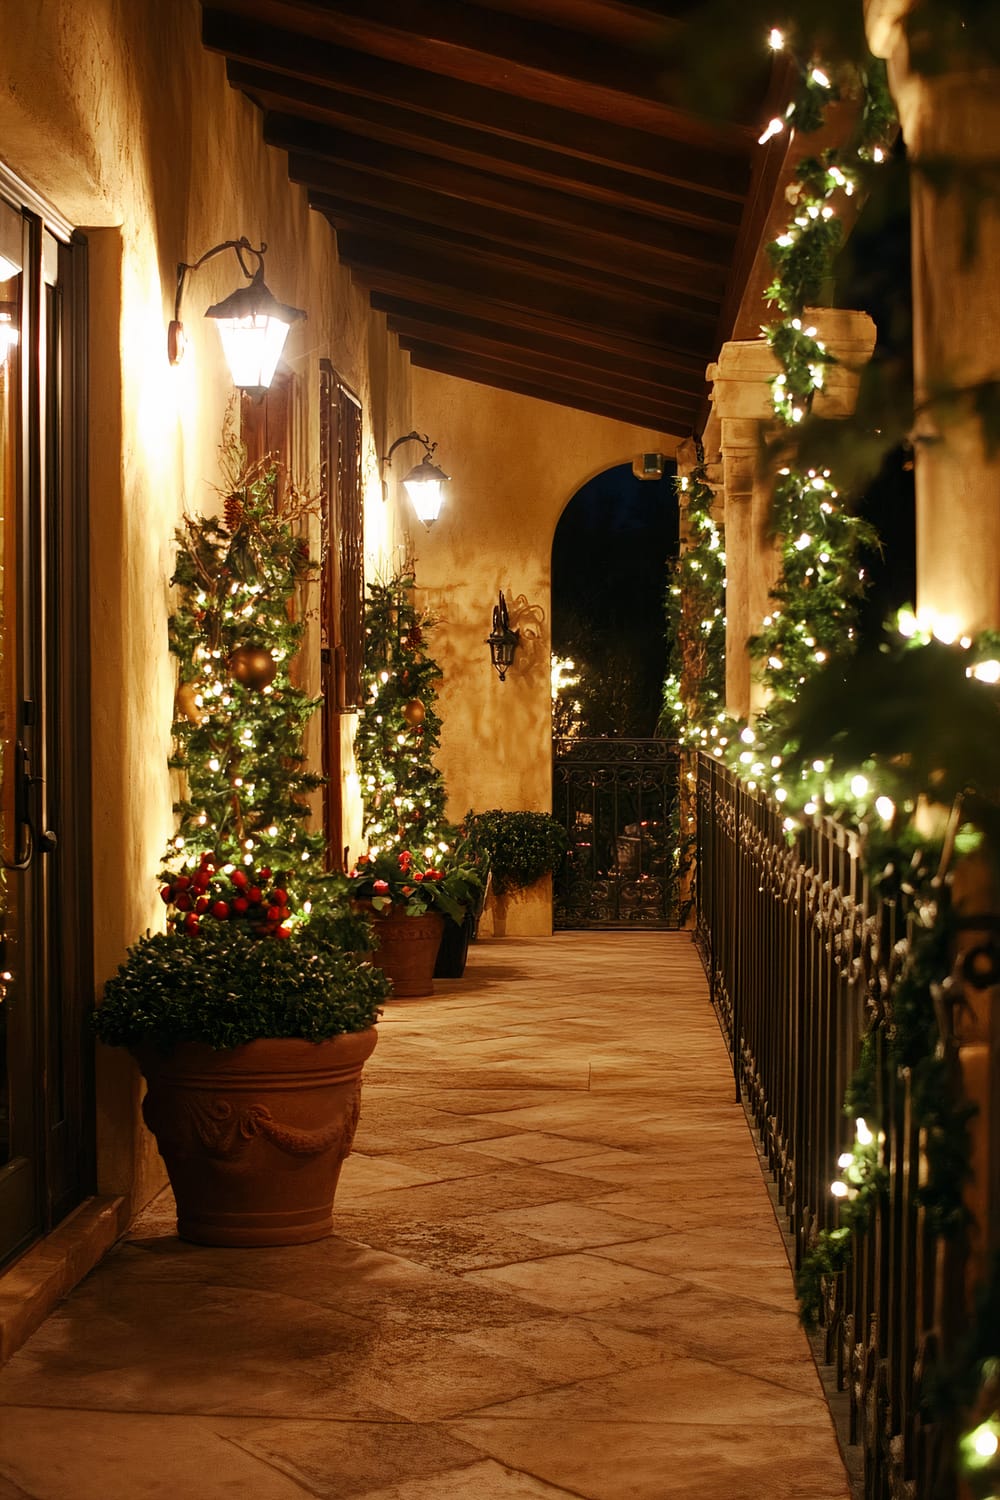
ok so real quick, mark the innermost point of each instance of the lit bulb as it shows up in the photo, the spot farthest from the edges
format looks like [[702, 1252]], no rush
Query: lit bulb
[[772, 128], [818, 76], [864, 1135], [747, 736], [886, 808], [845, 1160], [987, 671], [839, 1189], [985, 1441], [775, 39], [859, 786]]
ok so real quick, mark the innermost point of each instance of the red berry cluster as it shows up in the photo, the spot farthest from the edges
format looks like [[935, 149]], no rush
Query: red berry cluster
[[236, 895]]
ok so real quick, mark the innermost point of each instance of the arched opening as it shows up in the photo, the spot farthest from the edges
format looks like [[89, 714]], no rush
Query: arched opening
[[609, 561], [614, 781]]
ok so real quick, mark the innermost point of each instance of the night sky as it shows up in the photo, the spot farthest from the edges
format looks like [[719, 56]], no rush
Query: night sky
[[609, 576]]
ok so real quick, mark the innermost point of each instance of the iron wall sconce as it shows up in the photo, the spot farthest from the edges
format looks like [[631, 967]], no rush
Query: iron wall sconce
[[252, 323], [424, 483], [502, 641]]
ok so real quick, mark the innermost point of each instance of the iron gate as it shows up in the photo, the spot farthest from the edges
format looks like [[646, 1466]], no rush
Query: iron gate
[[617, 800]]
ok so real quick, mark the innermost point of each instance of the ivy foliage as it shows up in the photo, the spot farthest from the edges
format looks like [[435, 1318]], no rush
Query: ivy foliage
[[521, 846], [695, 606]]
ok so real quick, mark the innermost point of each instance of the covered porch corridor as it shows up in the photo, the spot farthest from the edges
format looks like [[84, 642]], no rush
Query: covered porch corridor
[[557, 1273]]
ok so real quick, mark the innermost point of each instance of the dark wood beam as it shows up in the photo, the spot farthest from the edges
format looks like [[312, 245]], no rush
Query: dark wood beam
[[514, 293], [430, 174], [495, 257], [291, 61], [375, 204], [559, 374], [614, 184], [657, 418], [550, 64], [679, 371]]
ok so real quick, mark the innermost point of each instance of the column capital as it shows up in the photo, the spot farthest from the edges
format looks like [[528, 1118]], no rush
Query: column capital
[[742, 374]]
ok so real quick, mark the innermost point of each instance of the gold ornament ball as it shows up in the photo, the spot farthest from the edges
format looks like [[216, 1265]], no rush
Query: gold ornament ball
[[186, 705], [252, 666], [414, 712]]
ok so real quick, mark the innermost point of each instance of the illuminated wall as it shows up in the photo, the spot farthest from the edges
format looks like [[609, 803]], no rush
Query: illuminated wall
[[119, 117], [515, 463]]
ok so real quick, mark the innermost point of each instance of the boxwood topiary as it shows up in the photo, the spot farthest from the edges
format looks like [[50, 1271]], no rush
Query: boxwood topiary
[[223, 988], [521, 846]]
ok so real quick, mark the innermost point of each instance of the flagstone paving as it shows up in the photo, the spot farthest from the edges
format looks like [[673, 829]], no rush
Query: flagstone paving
[[556, 1274]]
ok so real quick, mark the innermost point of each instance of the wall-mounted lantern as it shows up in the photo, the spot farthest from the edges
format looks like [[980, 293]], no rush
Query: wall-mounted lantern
[[502, 641], [253, 324], [424, 483]]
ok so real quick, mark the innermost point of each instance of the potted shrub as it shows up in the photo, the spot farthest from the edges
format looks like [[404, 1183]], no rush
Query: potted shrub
[[413, 899], [249, 1020], [252, 1049], [519, 847]]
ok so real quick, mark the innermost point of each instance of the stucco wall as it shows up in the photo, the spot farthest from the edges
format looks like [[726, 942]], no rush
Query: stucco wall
[[118, 116], [515, 463]]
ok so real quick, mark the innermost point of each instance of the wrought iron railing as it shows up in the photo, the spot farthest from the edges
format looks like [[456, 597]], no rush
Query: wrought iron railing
[[802, 958]]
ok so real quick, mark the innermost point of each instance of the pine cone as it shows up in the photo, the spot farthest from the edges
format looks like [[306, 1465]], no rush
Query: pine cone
[[414, 637], [233, 511]]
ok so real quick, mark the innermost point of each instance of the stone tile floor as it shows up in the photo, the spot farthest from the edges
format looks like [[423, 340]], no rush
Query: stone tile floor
[[556, 1274]]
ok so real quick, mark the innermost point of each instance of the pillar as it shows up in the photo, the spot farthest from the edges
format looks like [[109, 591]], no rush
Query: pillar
[[951, 117], [742, 405]]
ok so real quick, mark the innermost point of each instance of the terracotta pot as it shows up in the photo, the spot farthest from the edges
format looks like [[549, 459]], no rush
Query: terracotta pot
[[407, 950], [254, 1138]]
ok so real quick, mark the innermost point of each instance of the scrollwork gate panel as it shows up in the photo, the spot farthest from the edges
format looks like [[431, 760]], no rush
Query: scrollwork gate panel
[[617, 800]]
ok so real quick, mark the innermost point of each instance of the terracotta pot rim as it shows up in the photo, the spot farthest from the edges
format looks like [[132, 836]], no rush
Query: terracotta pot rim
[[291, 1052]]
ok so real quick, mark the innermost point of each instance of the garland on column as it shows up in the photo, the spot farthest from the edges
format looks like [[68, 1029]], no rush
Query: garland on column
[[695, 688], [398, 730]]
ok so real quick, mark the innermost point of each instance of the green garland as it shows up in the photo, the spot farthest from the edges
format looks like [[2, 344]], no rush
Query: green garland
[[695, 606]]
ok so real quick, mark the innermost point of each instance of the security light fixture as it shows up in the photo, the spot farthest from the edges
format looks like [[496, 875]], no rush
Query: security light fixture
[[502, 641], [423, 483], [253, 324]]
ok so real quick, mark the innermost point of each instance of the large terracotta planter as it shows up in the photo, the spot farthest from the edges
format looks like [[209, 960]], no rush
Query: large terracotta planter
[[407, 950], [254, 1139]]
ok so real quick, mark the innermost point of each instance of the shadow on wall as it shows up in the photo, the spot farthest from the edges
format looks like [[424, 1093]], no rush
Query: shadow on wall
[[529, 621]]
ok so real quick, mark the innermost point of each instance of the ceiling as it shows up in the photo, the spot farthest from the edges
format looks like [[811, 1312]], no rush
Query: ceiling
[[509, 182]]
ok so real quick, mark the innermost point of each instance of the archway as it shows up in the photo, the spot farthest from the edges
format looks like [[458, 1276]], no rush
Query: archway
[[614, 781]]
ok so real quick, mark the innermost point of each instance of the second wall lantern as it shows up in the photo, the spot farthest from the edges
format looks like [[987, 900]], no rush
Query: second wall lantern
[[424, 483], [252, 323]]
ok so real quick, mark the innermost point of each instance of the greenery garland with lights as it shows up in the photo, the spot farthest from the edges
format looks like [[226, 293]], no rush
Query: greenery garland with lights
[[810, 632], [695, 605]]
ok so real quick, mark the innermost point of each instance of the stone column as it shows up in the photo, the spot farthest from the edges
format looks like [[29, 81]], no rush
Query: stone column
[[952, 118], [742, 404]]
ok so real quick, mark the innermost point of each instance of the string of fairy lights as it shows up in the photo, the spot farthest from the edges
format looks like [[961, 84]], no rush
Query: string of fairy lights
[[812, 623]]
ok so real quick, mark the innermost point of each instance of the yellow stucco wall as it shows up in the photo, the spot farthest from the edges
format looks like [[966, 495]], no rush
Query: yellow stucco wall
[[117, 115], [515, 463]]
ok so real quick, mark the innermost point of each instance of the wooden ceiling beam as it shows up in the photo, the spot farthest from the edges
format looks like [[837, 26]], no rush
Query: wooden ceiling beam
[[661, 366], [613, 184], [292, 61], [513, 292], [531, 60], [579, 375], [430, 174], [372, 202], [494, 257], [637, 414]]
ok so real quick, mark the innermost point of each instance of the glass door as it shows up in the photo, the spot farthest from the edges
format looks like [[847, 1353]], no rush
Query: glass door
[[46, 1130]]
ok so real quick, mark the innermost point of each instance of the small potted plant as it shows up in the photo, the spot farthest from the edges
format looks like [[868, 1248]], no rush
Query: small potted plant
[[520, 848], [411, 897]]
